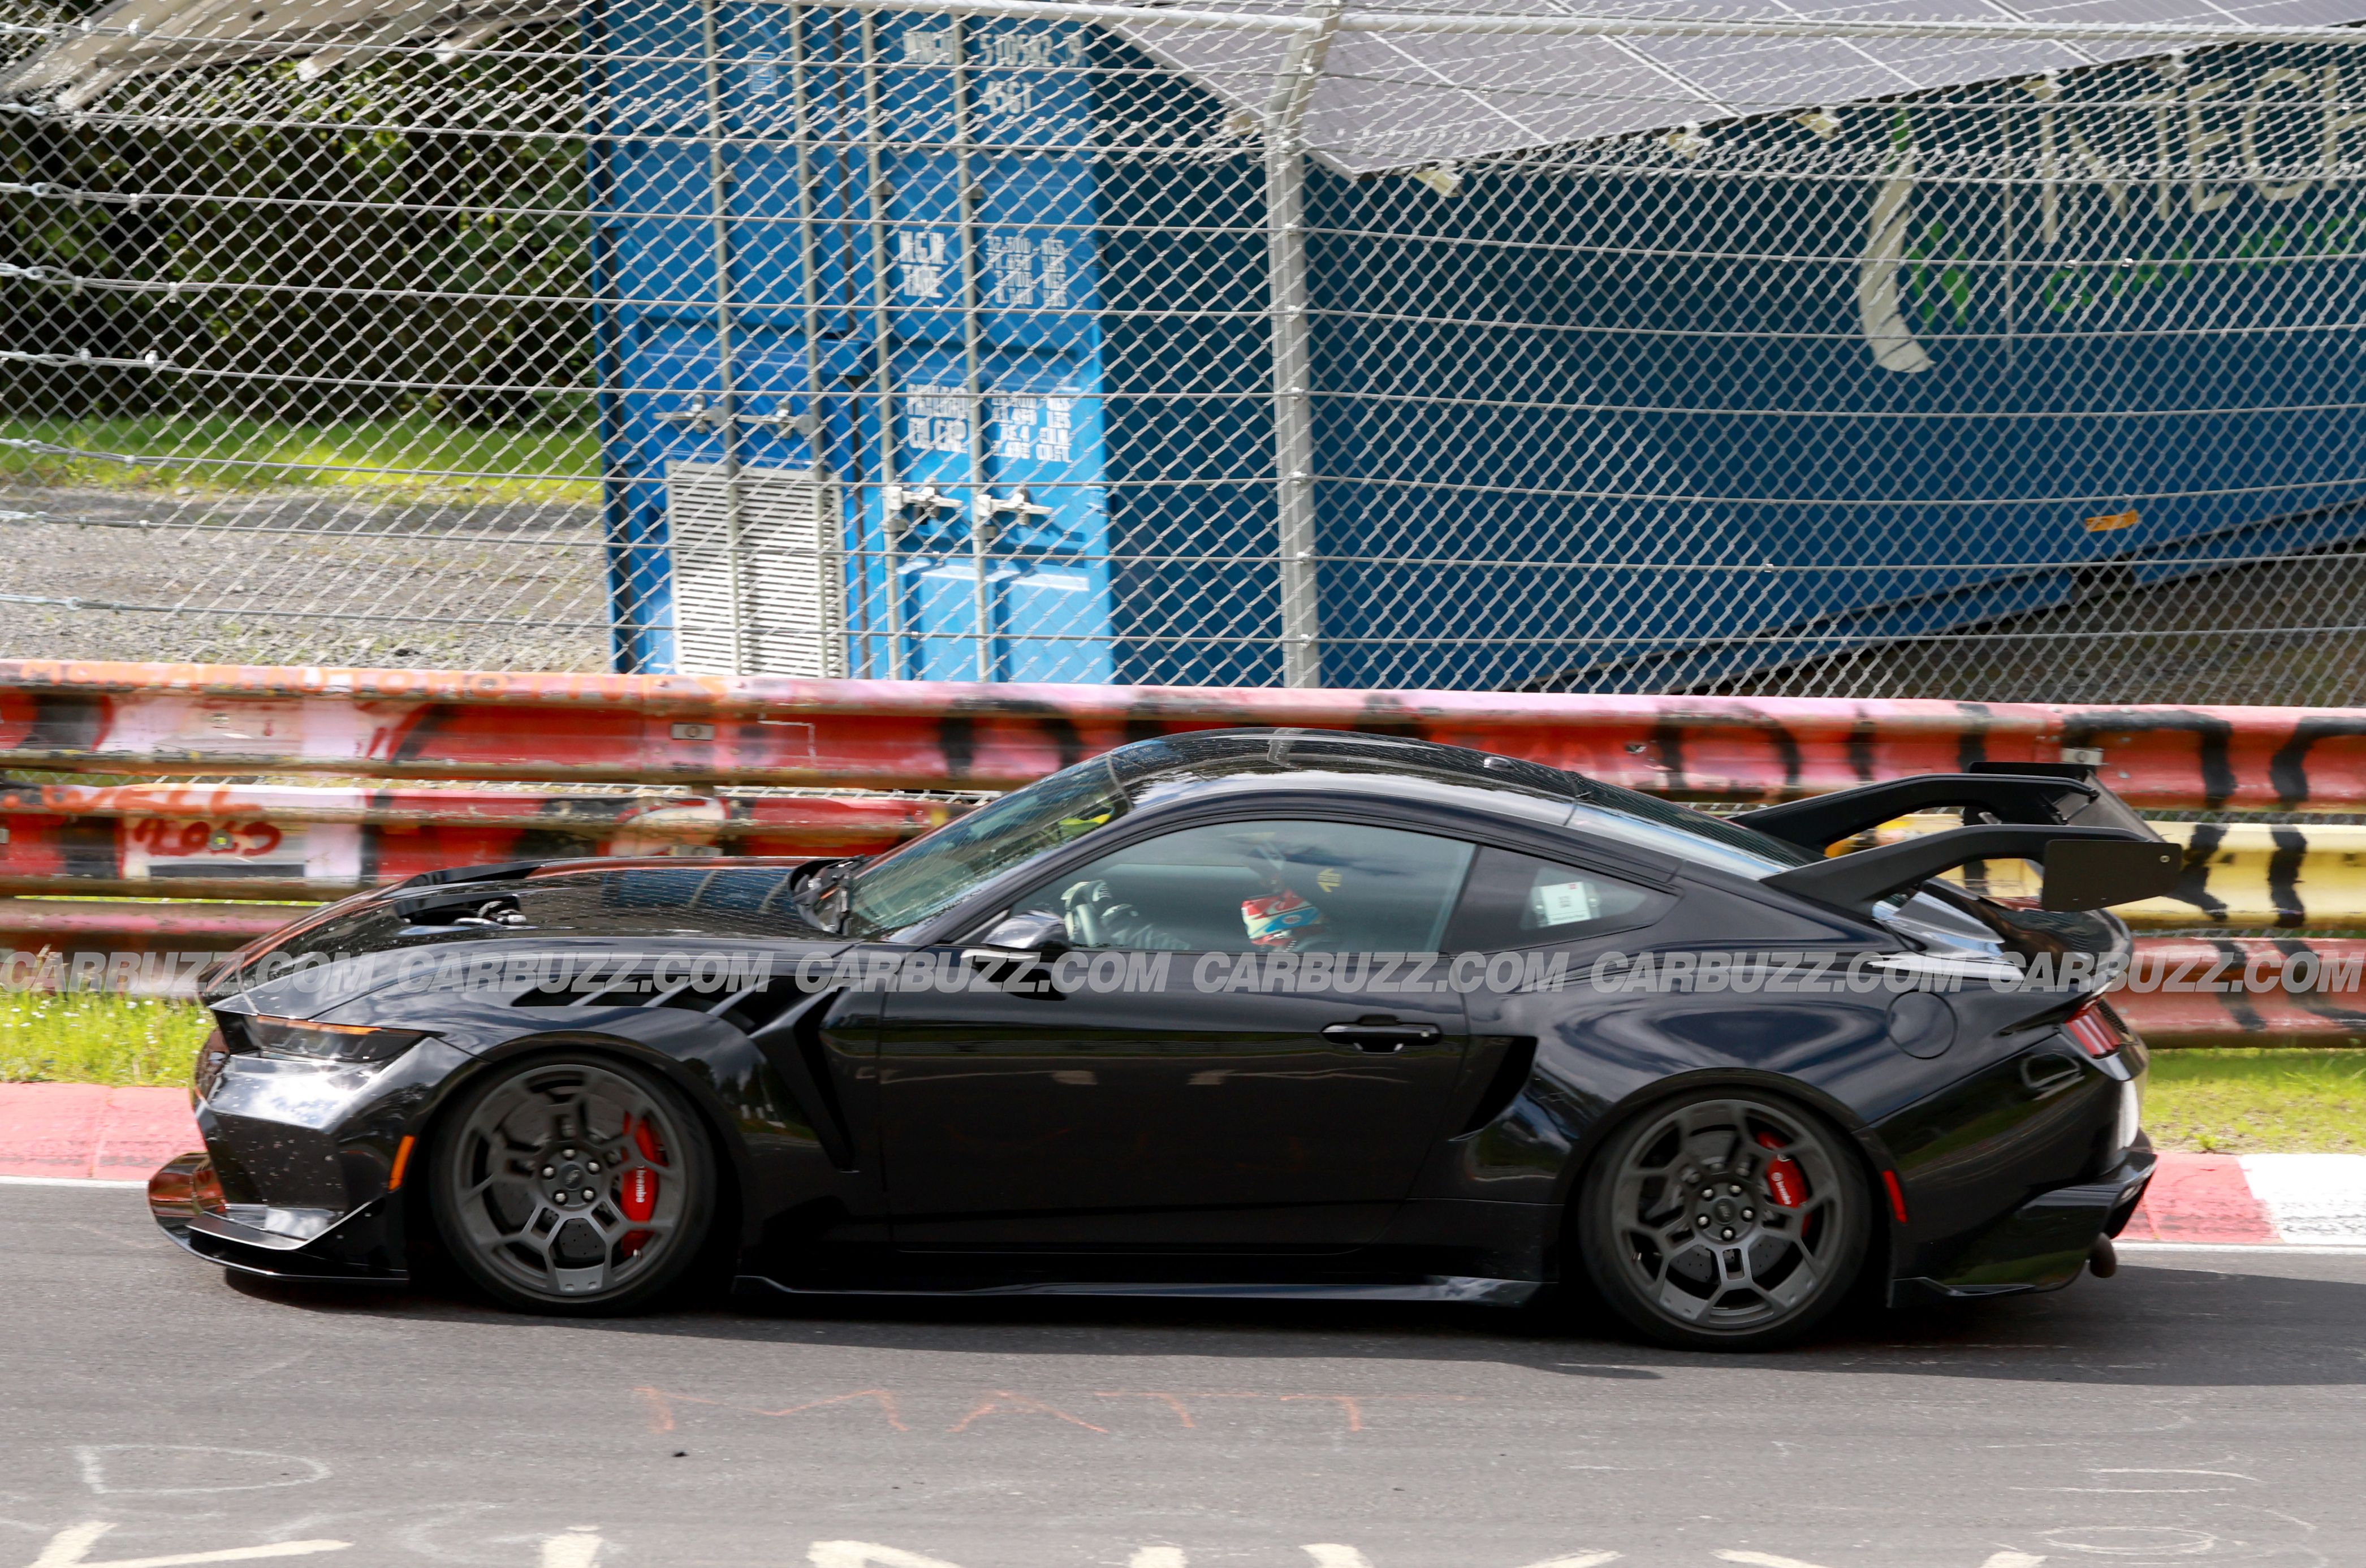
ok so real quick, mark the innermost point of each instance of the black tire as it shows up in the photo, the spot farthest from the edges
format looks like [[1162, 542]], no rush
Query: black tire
[[1685, 1232], [573, 1184]]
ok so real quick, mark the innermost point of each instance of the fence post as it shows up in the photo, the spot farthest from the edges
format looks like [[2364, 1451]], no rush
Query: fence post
[[726, 388], [1293, 409]]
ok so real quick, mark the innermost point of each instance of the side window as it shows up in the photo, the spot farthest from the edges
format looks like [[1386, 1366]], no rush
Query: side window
[[1520, 901], [1277, 886]]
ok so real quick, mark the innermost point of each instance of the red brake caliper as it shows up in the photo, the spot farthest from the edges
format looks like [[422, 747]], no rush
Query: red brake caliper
[[638, 1194], [1786, 1182]]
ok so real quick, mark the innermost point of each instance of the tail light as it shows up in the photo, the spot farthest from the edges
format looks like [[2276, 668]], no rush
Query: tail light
[[2092, 1030]]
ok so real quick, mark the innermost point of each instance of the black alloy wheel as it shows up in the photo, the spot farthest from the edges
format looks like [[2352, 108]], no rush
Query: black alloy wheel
[[573, 1184], [1725, 1219]]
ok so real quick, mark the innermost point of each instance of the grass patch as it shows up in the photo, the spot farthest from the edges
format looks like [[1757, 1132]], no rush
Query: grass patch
[[92, 1037], [416, 454], [2257, 1101]]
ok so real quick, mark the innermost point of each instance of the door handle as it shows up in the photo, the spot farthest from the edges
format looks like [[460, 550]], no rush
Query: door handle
[[1381, 1036]]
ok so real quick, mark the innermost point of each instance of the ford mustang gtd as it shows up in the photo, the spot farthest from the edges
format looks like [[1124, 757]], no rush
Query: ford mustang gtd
[[1247, 1012]]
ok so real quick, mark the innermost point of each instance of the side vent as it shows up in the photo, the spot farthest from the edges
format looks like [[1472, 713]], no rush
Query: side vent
[[1511, 1077], [759, 578], [747, 1008]]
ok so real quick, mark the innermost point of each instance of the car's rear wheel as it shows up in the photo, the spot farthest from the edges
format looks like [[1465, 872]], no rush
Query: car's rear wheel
[[573, 1184], [1726, 1219]]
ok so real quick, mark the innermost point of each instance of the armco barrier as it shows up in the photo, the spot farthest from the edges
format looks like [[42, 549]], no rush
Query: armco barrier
[[285, 842], [2188, 991], [225, 720], [684, 736]]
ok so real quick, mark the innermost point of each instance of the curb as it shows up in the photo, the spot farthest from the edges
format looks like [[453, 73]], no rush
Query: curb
[[80, 1131], [68, 1133]]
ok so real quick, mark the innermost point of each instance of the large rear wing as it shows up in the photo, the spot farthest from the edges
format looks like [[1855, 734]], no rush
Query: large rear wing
[[2065, 794]]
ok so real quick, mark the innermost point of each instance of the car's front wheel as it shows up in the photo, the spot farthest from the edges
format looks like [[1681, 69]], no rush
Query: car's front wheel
[[1724, 1220], [573, 1184]]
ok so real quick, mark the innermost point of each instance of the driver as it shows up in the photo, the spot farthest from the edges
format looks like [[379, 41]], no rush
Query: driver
[[1281, 919]]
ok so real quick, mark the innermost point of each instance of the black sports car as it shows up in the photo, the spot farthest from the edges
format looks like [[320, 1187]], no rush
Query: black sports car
[[1270, 1012]]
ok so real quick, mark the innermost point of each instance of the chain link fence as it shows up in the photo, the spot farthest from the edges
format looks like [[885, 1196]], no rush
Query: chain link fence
[[1676, 350]]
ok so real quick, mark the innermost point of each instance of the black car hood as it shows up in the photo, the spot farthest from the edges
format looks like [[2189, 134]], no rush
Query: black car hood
[[627, 906]]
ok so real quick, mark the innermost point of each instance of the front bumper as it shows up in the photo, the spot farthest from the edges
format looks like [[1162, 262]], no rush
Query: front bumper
[[362, 1247], [2044, 1244]]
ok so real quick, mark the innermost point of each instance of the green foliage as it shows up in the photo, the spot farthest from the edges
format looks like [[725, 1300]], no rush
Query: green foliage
[[2259, 1101], [418, 454], [358, 246], [96, 1037]]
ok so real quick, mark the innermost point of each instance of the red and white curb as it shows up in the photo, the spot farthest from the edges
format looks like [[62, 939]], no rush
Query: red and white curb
[[2213, 1201], [85, 1134]]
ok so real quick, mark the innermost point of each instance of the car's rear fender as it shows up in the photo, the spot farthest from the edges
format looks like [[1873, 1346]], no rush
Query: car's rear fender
[[1865, 1142]]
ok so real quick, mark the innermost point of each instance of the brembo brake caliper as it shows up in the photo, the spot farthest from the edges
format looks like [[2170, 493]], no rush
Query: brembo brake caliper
[[637, 1193], [1786, 1182]]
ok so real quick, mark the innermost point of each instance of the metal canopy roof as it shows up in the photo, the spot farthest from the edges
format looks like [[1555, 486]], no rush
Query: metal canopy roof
[[1398, 88], [1394, 94]]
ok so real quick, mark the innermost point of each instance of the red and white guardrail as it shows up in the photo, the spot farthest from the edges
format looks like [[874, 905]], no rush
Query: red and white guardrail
[[692, 746]]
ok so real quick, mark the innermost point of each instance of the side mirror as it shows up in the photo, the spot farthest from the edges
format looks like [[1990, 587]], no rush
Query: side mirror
[[1013, 956], [1037, 931], [2094, 874]]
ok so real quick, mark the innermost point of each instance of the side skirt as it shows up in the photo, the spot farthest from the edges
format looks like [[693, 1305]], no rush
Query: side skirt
[[1437, 1288]]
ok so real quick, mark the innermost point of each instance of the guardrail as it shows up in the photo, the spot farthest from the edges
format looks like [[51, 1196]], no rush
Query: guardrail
[[393, 724], [295, 841], [63, 845]]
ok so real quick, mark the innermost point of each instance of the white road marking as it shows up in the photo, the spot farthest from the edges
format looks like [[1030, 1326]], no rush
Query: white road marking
[[2257, 1248], [2318, 1197], [1158, 1557], [866, 1554], [67, 1548], [578, 1547], [1330, 1555], [98, 1460], [1762, 1559], [1583, 1559], [2013, 1559], [67, 1181]]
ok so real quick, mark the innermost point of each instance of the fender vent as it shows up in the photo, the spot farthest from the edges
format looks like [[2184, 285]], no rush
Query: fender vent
[[745, 1007]]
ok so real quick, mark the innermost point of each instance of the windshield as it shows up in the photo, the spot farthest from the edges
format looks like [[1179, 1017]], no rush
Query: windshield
[[1690, 835], [933, 872]]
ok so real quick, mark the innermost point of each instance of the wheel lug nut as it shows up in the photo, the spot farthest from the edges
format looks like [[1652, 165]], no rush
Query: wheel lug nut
[[1708, 1191], [1749, 1214], [595, 1167], [549, 1172], [1726, 1235], [1735, 1190], [587, 1194], [566, 1153], [1704, 1221]]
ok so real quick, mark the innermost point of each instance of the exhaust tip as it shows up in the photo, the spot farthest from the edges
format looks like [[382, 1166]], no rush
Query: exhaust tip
[[2104, 1261]]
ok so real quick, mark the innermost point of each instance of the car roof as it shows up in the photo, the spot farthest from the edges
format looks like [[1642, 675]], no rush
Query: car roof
[[1196, 765]]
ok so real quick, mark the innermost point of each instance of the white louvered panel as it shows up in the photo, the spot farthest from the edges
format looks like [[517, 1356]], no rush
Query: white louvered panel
[[790, 615]]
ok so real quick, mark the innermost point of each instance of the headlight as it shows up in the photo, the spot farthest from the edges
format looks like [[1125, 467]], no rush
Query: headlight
[[323, 1041]]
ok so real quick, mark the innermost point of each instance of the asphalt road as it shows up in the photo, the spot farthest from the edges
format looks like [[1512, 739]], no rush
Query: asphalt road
[[2199, 1409]]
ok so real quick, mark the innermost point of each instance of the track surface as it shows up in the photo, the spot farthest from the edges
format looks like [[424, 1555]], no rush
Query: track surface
[[2202, 1408]]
